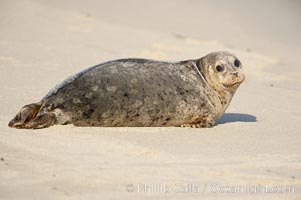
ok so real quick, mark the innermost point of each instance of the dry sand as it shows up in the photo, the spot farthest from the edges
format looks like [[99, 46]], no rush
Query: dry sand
[[256, 143]]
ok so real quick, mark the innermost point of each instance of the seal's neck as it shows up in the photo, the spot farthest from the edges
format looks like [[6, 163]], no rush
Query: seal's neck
[[223, 97], [200, 73]]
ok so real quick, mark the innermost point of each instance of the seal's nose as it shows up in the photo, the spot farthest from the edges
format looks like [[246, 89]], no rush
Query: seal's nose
[[240, 77], [235, 74]]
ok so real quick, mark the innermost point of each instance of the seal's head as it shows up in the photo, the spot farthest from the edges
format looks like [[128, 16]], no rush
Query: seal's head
[[222, 71]]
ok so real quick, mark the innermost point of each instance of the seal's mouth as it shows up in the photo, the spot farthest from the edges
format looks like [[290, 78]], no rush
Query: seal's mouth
[[235, 84]]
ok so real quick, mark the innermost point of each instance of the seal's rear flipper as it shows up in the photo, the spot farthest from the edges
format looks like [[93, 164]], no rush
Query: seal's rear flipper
[[42, 121], [27, 114]]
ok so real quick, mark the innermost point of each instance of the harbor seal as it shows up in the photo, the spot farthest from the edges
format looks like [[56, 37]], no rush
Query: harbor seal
[[140, 92]]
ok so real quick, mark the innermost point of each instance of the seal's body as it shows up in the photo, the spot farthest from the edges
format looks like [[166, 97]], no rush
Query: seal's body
[[139, 92]]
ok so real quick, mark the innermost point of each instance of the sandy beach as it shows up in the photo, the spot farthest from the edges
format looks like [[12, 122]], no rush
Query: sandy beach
[[254, 152]]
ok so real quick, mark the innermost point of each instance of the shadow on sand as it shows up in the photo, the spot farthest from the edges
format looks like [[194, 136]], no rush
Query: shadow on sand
[[236, 117]]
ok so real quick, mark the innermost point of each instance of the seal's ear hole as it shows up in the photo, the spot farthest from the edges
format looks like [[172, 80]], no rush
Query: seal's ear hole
[[219, 68], [237, 63]]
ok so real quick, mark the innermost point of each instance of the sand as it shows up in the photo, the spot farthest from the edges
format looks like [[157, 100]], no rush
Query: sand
[[255, 147]]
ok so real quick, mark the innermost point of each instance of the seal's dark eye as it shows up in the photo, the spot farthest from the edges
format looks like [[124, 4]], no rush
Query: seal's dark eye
[[219, 68], [236, 63]]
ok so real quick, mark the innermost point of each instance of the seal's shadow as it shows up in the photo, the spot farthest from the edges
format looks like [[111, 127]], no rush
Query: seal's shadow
[[236, 117]]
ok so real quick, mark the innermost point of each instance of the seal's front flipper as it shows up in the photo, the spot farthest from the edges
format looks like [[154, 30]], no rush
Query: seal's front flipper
[[204, 122], [26, 114]]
